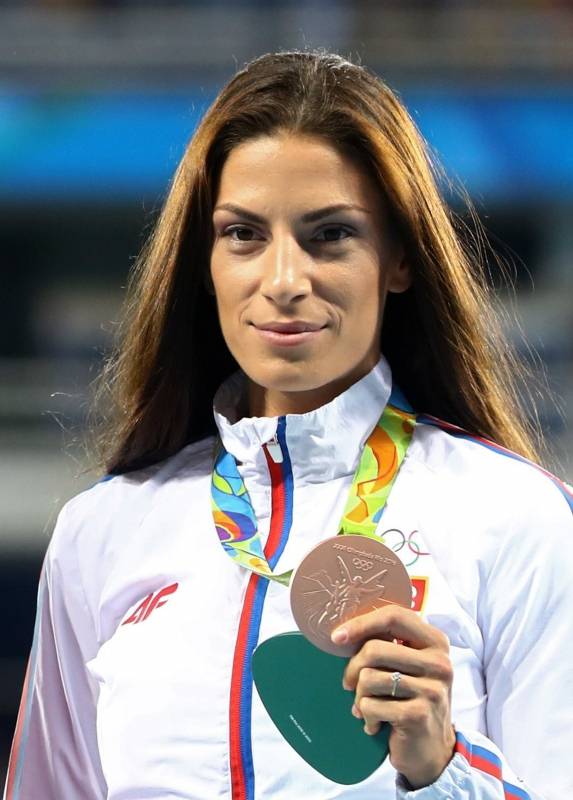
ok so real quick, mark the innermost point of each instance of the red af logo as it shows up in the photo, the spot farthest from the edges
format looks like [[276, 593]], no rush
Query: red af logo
[[150, 603]]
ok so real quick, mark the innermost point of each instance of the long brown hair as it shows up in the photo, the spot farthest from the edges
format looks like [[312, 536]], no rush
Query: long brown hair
[[440, 337]]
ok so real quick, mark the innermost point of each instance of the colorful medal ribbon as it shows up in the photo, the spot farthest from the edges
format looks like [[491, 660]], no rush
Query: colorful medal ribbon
[[380, 462]]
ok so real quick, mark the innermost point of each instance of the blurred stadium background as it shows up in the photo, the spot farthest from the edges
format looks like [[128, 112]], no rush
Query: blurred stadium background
[[97, 100]]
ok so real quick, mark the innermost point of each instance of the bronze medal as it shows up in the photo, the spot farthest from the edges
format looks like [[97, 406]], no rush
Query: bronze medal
[[341, 578]]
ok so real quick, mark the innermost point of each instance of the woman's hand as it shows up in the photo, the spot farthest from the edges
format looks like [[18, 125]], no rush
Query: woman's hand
[[422, 738]]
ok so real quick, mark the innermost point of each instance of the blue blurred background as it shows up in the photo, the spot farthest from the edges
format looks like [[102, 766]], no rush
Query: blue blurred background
[[97, 101]]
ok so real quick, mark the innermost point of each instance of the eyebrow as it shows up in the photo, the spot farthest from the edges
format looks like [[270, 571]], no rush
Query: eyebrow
[[311, 216]]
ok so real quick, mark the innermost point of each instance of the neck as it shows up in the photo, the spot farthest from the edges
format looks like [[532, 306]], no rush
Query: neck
[[268, 402]]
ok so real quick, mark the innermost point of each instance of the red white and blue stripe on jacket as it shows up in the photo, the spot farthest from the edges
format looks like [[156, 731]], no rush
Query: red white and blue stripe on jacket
[[240, 752]]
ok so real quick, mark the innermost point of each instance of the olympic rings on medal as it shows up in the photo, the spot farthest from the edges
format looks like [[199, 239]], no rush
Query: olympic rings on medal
[[362, 563]]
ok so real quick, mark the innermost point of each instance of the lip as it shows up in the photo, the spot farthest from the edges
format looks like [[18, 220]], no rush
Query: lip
[[295, 326], [289, 334]]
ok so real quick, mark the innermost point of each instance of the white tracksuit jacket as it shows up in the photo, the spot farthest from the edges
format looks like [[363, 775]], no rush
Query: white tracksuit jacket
[[139, 683]]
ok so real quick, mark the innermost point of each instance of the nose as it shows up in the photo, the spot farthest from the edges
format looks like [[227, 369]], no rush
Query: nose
[[285, 270]]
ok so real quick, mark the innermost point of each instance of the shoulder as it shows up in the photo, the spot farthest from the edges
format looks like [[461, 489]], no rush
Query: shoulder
[[491, 508], [102, 518], [497, 524], [485, 475], [102, 533]]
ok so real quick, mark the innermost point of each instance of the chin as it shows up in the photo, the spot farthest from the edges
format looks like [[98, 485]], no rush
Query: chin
[[288, 376]]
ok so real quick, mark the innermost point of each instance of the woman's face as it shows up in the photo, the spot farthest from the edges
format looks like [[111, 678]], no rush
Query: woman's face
[[301, 265]]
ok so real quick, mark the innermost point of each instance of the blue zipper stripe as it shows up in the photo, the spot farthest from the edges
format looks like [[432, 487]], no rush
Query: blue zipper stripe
[[247, 688]]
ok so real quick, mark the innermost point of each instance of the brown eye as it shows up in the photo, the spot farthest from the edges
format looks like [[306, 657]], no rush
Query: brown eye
[[334, 233], [239, 233]]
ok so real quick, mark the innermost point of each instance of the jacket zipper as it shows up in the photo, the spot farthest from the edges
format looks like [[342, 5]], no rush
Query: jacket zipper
[[273, 448], [240, 746]]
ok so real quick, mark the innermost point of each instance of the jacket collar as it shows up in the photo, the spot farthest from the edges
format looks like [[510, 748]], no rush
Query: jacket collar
[[323, 444]]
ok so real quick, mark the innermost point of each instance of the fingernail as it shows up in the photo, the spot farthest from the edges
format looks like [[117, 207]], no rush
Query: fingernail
[[356, 711], [368, 731], [339, 636]]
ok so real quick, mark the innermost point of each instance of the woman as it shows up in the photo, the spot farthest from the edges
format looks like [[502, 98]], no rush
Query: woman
[[303, 241]]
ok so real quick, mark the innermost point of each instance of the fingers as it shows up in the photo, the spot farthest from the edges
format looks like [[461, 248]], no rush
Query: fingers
[[407, 716], [391, 622], [402, 673], [391, 657], [378, 683], [375, 683], [414, 702]]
